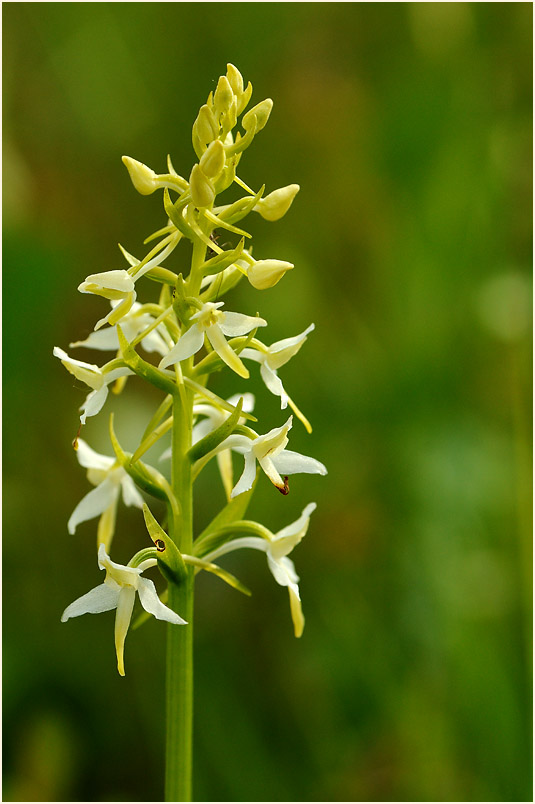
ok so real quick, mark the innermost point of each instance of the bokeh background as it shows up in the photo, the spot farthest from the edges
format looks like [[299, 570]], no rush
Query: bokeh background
[[409, 128]]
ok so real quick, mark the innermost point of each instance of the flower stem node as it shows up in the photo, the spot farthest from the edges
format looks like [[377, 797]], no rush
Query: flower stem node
[[119, 592]]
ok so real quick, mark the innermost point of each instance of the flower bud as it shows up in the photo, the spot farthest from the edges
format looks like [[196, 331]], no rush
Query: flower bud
[[235, 79], [277, 203], [213, 159], [205, 127], [143, 178], [265, 274], [222, 97], [245, 97], [202, 191], [261, 112]]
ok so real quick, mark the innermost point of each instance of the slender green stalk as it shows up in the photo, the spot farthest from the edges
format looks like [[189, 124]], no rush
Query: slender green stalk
[[179, 663]]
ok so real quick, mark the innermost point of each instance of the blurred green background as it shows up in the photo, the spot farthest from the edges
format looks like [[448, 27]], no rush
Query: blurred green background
[[409, 129]]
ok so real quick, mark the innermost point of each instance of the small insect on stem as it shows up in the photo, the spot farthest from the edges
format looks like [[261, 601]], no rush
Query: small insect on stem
[[160, 545], [286, 488]]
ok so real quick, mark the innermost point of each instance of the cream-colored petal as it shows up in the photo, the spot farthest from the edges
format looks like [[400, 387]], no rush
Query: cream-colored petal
[[93, 504], [187, 345], [101, 598], [152, 603], [125, 606], [228, 355]]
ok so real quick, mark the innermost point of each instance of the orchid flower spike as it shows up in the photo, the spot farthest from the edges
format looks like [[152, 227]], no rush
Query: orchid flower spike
[[277, 549], [110, 480], [119, 592], [215, 324], [93, 376], [269, 450]]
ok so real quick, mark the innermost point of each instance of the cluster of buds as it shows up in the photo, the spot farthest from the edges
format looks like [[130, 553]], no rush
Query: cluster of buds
[[192, 337]]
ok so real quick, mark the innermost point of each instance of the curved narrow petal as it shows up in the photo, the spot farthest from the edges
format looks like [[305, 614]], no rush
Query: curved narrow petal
[[234, 324], [187, 345], [281, 351], [292, 463], [254, 542], [296, 610], [271, 471], [101, 598], [224, 462], [240, 443], [252, 354], [131, 495], [152, 603], [93, 504], [247, 477], [286, 539], [94, 402], [273, 383], [90, 459], [104, 340], [125, 606], [228, 355], [106, 526], [283, 570]]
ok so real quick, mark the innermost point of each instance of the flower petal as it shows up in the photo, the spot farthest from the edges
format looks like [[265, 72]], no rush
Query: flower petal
[[228, 355], [233, 324], [247, 477], [94, 402], [281, 351], [93, 504], [125, 606], [296, 610], [292, 463], [273, 383], [286, 539], [152, 603], [187, 345], [90, 459], [131, 495], [101, 598]]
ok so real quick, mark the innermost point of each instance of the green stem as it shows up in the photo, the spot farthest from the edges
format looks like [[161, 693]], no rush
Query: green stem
[[179, 664]]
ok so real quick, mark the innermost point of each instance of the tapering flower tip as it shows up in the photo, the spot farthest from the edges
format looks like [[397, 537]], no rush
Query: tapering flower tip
[[213, 159], [265, 274], [277, 203], [205, 126], [258, 115], [235, 79], [143, 178], [202, 191], [222, 96]]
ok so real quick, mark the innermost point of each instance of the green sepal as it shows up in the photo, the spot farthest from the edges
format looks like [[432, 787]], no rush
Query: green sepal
[[170, 561], [223, 260], [149, 442], [219, 223], [166, 230], [240, 208], [174, 213], [158, 416], [227, 532], [232, 512], [162, 275], [222, 284], [146, 478], [199, 565], [241, 142], [214, 398], [213, 439]]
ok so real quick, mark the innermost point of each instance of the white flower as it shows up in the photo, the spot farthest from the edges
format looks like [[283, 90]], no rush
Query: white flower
[[269, 450], [110, 480], [276, 356], [215, 324], [277, 550], [215, 416], [115, 286], [94, 377], [134, 322], [119, 592]]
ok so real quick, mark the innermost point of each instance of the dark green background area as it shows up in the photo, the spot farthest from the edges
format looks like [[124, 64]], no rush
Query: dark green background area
[[409, 129]]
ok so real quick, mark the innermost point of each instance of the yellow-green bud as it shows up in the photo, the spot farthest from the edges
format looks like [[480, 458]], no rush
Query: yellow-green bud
[[261, 112], [143, 178], [213, 159], [245, 97], [277, 203], [266, 273], [222, 96], [205, 126], [235, 79], [201, 188]]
